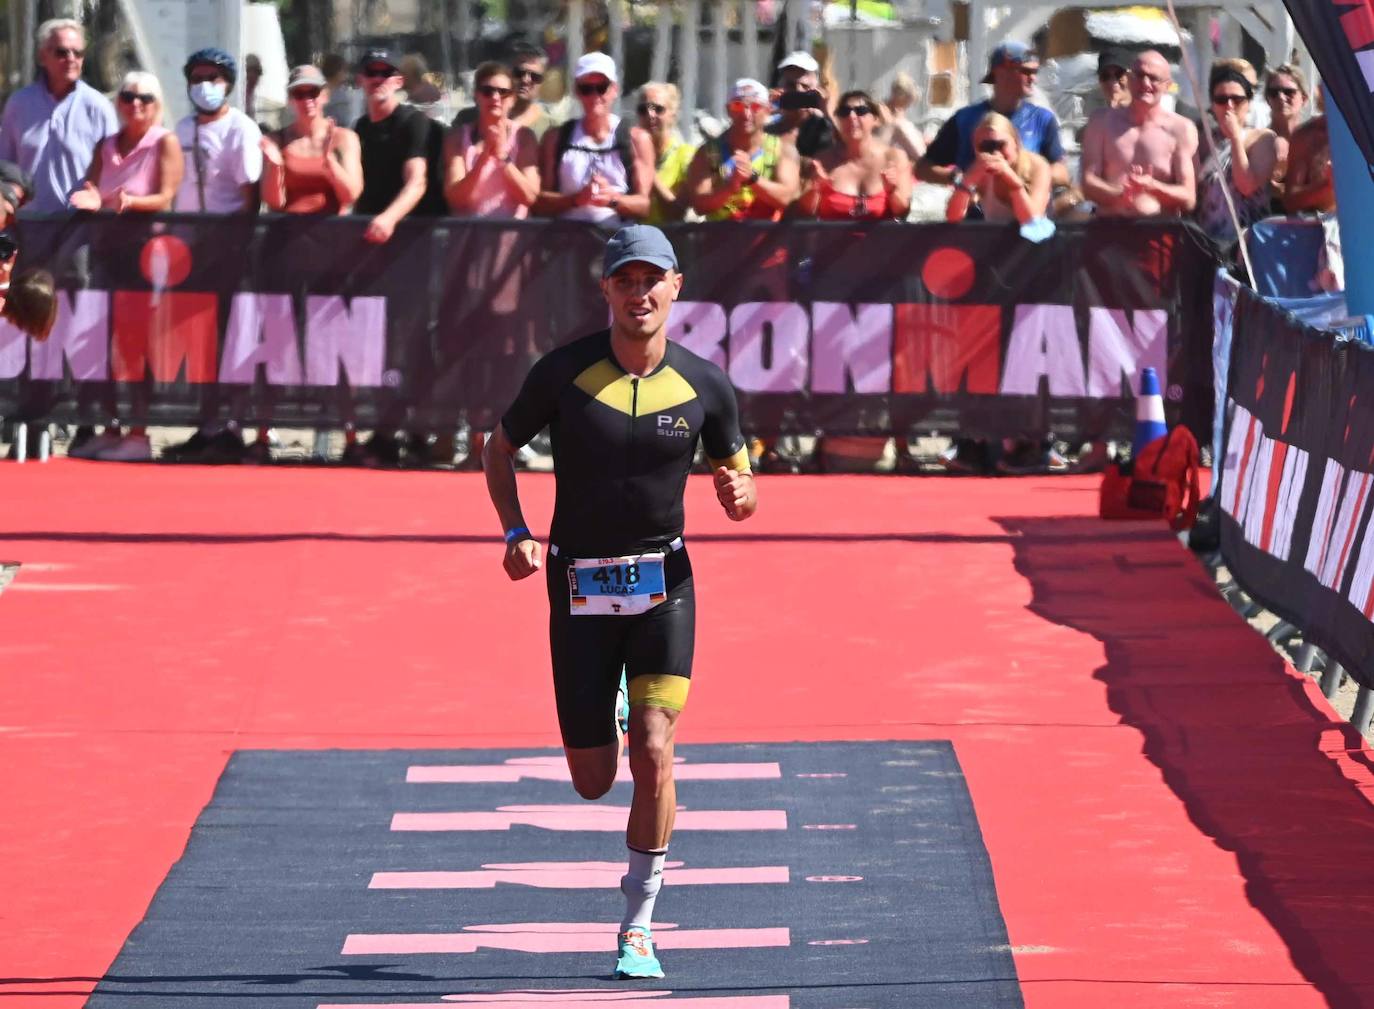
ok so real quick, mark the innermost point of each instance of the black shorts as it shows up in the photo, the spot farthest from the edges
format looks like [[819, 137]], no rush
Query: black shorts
[[588, 652]]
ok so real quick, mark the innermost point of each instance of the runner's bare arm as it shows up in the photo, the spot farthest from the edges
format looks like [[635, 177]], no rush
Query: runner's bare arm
[[524, 554]]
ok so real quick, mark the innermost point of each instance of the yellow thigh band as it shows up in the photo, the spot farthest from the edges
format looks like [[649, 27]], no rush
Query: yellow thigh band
[[660, 691]]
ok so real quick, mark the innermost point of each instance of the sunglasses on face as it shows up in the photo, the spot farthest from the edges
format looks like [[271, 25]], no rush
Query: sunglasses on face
[[1029, 73], [739, 105], [845, 111], [379, 72], [646, 107], [1229, 99], [492, 91], [9, 248], [64, 53], [1274, 92], [991, 147], [305, 94], [533, 75], [1112, 74], [129, 97], [593, 89]]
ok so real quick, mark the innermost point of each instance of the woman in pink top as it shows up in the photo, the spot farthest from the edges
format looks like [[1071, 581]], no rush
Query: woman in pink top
[[493, 164], [137, 170], [140, 167]]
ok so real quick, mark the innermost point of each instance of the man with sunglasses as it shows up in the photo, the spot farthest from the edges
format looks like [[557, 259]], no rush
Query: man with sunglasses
[[745, 173], [402, 152], [51, 127], [1012, 72], [528, 64], [1137, 160]]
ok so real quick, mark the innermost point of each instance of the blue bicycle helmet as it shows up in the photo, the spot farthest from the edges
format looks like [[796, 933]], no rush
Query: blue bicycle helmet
[[213, 57]]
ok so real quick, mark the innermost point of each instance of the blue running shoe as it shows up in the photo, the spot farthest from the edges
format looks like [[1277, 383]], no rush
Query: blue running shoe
[[637, 959], [622, 705]]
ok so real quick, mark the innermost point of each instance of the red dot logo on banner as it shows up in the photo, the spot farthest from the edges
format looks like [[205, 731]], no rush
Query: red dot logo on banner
[[165, 262], [948, 273]]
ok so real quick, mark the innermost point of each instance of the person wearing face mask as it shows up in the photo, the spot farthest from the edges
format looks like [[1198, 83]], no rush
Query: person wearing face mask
[[220, 145], [222, 152]]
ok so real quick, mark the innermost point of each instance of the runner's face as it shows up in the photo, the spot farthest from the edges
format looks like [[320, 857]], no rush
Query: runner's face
[[640, 296]]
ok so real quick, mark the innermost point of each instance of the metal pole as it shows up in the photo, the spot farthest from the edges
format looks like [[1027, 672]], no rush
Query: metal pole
[[749, 28], [575, 36], [719, 36], [663, 43], [690, 63], [615, 32]]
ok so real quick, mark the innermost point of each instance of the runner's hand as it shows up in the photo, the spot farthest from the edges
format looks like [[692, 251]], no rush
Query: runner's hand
[[523, 558], [732, 490]]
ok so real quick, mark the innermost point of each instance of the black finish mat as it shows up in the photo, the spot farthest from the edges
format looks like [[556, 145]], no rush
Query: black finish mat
[[813, 876]]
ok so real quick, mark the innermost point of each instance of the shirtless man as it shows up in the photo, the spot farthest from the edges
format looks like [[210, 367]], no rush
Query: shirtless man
[[1138, 160], [1308, 184]]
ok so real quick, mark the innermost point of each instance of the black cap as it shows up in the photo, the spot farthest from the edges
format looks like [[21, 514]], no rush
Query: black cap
[[1114, 57], [375, 56]]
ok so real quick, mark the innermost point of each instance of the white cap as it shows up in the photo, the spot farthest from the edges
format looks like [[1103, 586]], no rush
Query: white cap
[[749, 90], [596, 63], [802, 60]]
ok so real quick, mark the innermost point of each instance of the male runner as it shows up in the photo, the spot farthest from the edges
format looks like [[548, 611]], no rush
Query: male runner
[[625, 408]]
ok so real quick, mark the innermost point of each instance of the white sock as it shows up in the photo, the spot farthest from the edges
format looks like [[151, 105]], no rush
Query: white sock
[[640, 886]]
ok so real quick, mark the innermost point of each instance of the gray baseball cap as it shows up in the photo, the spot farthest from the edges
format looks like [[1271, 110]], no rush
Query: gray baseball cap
[[638, 243]]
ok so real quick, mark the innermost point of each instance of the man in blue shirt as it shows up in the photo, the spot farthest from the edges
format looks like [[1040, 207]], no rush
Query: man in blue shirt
[[51, 128], [1011, 72]]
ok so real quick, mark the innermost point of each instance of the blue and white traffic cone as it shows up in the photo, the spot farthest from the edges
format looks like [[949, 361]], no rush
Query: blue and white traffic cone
[[1149, 413]]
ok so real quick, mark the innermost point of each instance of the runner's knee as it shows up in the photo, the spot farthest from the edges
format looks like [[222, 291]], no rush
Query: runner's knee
[[592, 784]]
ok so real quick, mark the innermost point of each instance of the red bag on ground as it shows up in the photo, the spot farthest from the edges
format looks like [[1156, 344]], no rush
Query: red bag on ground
[[1165, 482]]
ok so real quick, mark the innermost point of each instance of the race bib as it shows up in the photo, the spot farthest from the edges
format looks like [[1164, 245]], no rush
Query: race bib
[[616, 586]]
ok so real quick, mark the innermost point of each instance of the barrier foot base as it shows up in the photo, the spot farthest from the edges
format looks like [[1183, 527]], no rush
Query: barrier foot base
[[1306, 658], [1332, 678], [1281, 632], [1364, 708]]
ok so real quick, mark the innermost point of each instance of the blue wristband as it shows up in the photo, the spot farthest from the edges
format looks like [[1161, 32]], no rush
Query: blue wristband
[[514, 534]]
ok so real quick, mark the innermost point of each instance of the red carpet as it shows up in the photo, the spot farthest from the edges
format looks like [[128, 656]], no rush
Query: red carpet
[[1173, 818]]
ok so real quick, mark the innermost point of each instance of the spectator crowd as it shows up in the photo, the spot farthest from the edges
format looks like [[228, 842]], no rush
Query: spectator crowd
[[796, 150]]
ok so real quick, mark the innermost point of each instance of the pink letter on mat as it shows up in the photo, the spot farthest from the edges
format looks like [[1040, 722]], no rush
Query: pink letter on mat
[[579, 1000], [556, 937], [568, 876], [579, 817], [556, 769]]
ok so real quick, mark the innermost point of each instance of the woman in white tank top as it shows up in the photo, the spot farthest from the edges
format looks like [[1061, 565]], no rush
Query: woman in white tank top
[[584, 172]]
